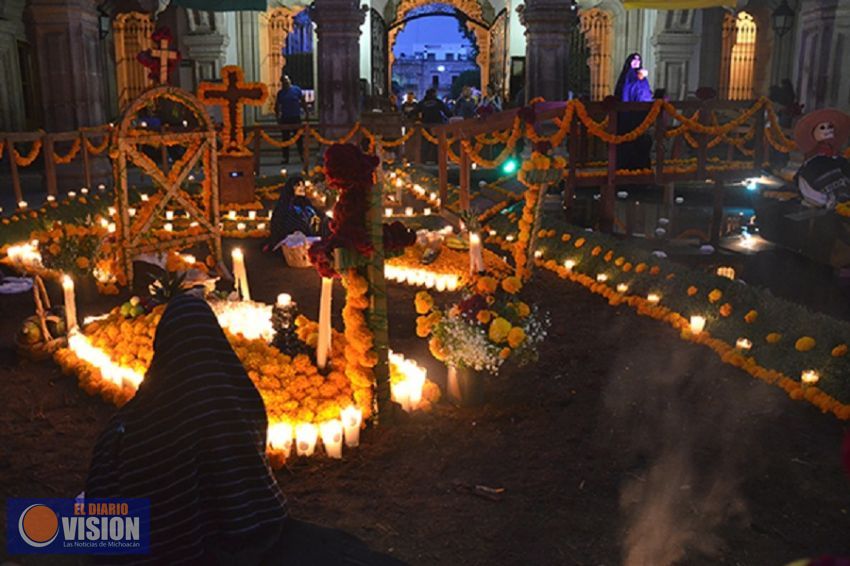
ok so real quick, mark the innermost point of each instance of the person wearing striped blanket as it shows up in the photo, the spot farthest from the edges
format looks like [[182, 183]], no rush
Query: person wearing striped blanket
[[193, 442]]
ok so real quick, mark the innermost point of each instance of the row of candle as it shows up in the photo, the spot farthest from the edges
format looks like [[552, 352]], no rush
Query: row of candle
[[306, 435], [407, 391], [422, 278], [408, 211]]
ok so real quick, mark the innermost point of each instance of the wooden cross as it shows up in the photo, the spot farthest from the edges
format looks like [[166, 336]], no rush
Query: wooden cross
[[232, 95], [165, 55]]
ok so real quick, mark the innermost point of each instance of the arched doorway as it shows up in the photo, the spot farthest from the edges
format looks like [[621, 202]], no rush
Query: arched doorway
[[286, 44], [738, 58], [434, 47], [133, 32]]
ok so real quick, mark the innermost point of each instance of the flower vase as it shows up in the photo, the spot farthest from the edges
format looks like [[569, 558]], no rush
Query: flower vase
[[465, 386]]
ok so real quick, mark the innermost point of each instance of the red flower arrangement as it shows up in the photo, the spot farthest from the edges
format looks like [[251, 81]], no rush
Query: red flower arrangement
[[351, 172]]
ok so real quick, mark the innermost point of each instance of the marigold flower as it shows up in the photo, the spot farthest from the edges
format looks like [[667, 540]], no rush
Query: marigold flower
[[609, 255], [725, 309], [627, 266], [751, 317], [565, 237], [511, 284], [579, 243], [82, 262], [516, 336], [523, 309], [804, 344], [484, 316], [499, 329], [596, 251], [505, 353], [839, 351], [773, 337], [692, 291], [640, 268], [715, 295], [487, 285], [423, 302]]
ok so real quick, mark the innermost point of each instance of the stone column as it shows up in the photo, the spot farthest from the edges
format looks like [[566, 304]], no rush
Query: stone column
[[338, 32], [65, 37], [676, 54], [547, 39], [206, 44], [11, 95]]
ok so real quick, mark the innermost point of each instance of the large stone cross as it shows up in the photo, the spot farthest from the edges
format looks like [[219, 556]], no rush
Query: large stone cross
[[165, 55], [232, 95]]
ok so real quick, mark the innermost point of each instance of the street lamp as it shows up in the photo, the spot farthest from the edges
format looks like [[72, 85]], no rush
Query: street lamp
[[783, 18]]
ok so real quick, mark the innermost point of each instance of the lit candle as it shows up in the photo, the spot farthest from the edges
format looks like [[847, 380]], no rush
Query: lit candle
[[111, 228], [743, 344], [22, 204], [430, 280], [240, 275], [72, 194], [189, 258], [569, 264], [332, 437], [451, 283], [111, 210], [601, 277], [131, 212], [252, 215], [697, 323], [51, 198], [653, 298], [440, 283], [622, 288], [70, 303], [280, 438], [809, 377], [283, 171], [284, 300], [241, 226], [401, 394], [408, 211], [509, 237], [388, 212], [427, 211], [261, 226], [231, 215], [101, 187], [306, 435], [415, 382], [324, 345], [476, 260], [169, 214], [352, 418], [191, 177], [144, 197], [168, 227], [84, 190]]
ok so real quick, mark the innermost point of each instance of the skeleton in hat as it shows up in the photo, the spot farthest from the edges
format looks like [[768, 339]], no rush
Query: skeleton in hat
[[824, 177]]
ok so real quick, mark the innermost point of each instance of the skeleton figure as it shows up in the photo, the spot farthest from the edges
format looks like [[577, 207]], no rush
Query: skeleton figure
[[824, 178]]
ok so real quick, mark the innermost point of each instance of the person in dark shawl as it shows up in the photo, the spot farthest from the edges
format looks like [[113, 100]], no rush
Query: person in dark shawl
[[193, 442], [633, 86], [294, 213]]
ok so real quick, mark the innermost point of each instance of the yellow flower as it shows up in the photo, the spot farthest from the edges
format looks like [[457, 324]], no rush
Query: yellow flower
[[565, 237], [640, 268], [804, 344], [54, 249], [523, 310], [619, 261], [627, 266], [487, 285], [516, 336], [423, 302], [596, 251], [751, 317], [692, 291], [773, 337], [609, 255], [839, 351], [579, 243], [436, 348], [511, 284], [725, 309], [505, 353], [484, 316], [715, 295], [82, 262], [499, 329]]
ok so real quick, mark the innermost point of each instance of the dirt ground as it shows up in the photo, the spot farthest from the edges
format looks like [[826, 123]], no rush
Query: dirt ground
[[622, 445]]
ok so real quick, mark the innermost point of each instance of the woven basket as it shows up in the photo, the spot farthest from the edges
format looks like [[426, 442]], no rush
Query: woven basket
[[40, 350], [297, 255]]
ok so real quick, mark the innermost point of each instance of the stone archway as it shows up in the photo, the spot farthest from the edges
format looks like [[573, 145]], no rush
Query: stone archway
[[275, 25], [132, 35], [738, 58], [475, 23]]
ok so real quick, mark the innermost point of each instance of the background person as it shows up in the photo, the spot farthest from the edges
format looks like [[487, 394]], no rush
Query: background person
[[287, 108]]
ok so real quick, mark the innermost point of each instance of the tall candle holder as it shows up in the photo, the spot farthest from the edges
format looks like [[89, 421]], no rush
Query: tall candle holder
[[284, 313]]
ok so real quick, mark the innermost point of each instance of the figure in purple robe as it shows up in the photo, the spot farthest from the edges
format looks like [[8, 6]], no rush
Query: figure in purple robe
[[633, 86]]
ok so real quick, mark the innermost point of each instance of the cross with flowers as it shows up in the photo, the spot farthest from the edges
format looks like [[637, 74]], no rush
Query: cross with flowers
[[232, 95], [160, 60], [165, 56]]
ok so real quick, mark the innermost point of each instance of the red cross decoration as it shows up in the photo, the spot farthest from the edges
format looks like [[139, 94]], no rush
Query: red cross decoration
[[232, 94], [161, 60]]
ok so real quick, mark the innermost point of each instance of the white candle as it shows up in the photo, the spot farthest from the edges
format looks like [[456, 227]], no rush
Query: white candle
[[743, 344], [324, 346], [84, 190], [72, 194], [332, 437], [306, 435], [111, 227], [252, 215], [231, 215], [570, 264], [476, 260], [440, 283], [22, 204], [70, 303], [241, 226], [189, 258], [653, 298], [169, 214], [401, 394], [697, 324], [261, 226], [280, 438], [601, 277], [51, 198], [240, 275], [809, 377], [427, 211], [131, 212], [168, 226], [415, 382], [388, 212], [352, 418], [111, 210], [451, 283], [408, 211], [144, 196], [622, 288], [283, 171], [284, 300]]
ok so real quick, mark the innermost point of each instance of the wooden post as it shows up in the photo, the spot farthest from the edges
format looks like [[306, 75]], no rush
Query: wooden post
[[443, 165], [606, 208], [13, 169], [702, 142], [257, 148], [465, 174], [377, 314], [717, 212], [417, 144], [49, 165], [660, 131], [164, 150], [759, 139], [86, 159]]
